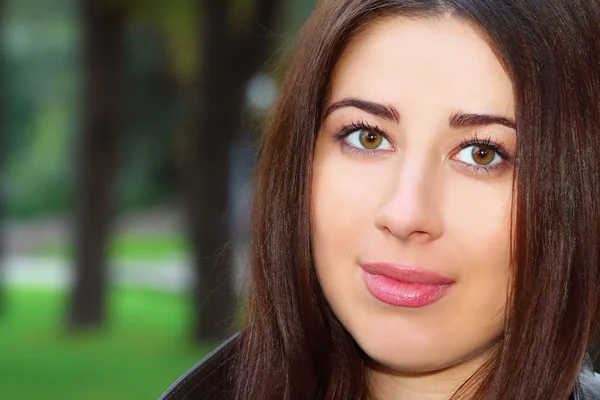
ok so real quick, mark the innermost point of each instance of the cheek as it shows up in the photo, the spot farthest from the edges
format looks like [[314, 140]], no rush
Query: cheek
[[478, 220], [344, 201]]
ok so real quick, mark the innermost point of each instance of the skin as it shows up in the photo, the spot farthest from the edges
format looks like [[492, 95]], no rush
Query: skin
[[417, 200]]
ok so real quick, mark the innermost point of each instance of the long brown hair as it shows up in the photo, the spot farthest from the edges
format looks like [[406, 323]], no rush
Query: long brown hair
[[293, 347]]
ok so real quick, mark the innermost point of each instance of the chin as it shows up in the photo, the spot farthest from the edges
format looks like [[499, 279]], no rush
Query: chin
[[413, 361], [410, 366], [416, 356]]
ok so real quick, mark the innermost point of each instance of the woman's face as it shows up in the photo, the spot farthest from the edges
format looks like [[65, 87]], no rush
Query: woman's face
[[411, 197]]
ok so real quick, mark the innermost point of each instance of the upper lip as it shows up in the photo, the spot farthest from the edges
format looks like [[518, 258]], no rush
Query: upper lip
[[407, 274]]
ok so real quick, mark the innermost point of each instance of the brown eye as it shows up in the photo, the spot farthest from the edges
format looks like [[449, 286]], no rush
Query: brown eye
[[370, 140], [479, 155], [483, 155]]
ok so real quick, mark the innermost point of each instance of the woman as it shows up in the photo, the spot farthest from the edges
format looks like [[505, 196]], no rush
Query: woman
[[426, 215]]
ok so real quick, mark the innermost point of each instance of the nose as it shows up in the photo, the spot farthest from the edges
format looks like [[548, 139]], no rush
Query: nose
[[410, 208]]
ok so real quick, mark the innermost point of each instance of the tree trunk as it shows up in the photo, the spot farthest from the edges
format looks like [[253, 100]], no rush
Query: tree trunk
[[227, 64], [206, 188], [103, 52]]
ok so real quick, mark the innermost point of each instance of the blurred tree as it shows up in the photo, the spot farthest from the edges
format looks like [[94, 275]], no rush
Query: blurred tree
[[231, 53], [103, 48]]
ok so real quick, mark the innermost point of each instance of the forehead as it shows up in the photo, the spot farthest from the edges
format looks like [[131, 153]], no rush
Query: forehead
[[412, 62]]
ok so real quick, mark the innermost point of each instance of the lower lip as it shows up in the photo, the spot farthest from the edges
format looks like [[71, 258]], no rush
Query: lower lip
[[403, 294]]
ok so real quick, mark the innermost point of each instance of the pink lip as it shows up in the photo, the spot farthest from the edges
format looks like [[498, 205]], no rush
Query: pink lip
[[405, 286]]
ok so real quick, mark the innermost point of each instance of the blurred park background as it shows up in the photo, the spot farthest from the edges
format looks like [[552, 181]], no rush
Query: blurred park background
[[128, 134]]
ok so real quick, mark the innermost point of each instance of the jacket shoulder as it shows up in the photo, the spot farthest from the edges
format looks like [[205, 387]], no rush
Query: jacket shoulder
[[209, 379], [589, 382]]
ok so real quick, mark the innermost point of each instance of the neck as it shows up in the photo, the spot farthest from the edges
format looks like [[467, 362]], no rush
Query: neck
[[390, 384]]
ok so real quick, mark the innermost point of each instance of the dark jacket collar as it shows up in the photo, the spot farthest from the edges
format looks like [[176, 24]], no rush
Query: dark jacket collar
[[209, 379]]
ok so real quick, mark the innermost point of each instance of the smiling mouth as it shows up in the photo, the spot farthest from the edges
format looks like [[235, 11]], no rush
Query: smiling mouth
[[405, 286]]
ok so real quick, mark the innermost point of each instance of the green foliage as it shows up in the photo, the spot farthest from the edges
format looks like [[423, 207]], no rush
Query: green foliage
[[178, 20], [38, 176], [142, 351], [42, 80], [44, 101], [130, 248], [295, 13], [44, 96], [148, 247]]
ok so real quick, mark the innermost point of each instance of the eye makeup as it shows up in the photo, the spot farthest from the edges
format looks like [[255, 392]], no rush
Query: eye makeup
[[345, 131], [486, 144], [343, 137]]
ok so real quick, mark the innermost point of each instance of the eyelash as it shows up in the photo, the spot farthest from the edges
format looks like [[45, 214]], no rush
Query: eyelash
[[498, 148], [354, 126]]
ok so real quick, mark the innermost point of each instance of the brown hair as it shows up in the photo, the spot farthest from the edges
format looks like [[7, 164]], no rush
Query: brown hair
[[293, 347]]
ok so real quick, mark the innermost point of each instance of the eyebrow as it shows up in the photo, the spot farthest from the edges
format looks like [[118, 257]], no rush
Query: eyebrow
[[384, 111], [457, 120], [465, 120]]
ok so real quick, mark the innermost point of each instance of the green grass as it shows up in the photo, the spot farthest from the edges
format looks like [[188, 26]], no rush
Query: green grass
[[128, 247], [138, 355]]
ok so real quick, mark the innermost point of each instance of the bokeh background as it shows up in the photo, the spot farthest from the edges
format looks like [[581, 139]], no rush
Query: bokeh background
[[128, 133]]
